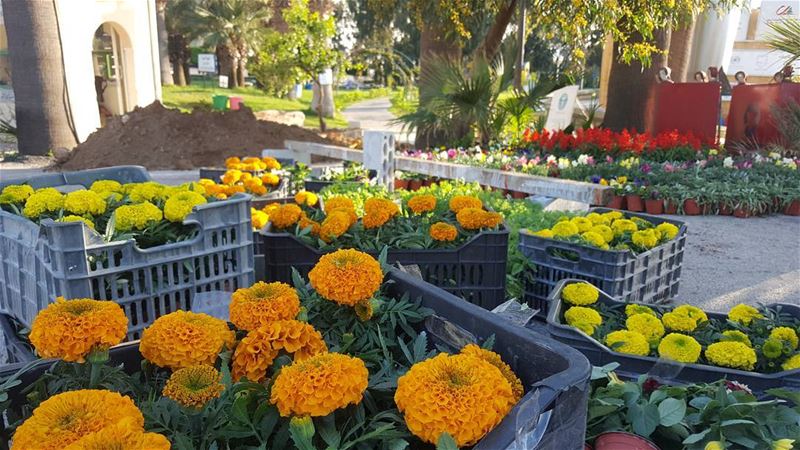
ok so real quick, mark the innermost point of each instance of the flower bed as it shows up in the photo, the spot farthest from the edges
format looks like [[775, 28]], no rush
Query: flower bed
[[260, 177], [358, 372], [757, 347]]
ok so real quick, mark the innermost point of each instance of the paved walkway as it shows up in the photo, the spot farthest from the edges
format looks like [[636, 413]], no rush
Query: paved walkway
[[374, 115]]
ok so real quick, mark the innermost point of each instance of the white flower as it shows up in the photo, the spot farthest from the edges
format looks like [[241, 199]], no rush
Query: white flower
[[563, 163], [788, 162], [775, 155], [727, 162], [551, 159], [583, 159], [443, 154], [758, 158]]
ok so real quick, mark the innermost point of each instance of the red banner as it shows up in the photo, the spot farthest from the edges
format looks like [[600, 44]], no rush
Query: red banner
[[750, 121], [686, 107]]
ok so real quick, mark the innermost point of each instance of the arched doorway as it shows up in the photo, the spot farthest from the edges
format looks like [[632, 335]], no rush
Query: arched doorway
[[110, 72]]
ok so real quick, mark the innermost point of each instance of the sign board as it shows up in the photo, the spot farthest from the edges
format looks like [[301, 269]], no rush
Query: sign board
[[207, 62], [750, 116], [562, 106], [775, 11], [223, 81], [758, 62], [686, 107], [326, 77]]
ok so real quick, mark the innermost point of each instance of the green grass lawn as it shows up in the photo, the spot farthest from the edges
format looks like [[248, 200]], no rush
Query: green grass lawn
[[199, 95]]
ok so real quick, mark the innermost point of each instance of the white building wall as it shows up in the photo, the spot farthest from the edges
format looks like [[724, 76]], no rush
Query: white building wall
[[136, 21]]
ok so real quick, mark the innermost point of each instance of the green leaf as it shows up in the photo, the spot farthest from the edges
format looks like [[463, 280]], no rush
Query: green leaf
[[671, 411], [792, 396], [697, 437], [644, 418], [446, 442]]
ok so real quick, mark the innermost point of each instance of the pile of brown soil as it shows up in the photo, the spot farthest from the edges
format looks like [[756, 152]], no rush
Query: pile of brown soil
[[160, 138]]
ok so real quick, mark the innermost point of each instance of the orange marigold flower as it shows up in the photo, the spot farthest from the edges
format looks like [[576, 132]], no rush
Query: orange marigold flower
[[459, 202], [346, 276], [378, 211], [233, 160], [231, 177], [495, 360], [194, 386], [305, 222], [462, 395], [445, 232], [422, 203], [471, 218], [259, 218], [257, 350], [182, 339], [125, 435], [319, 385], [263, 303], [67, 417], [285, 215], [306, 198], [352, 217], [338, 202], [336, 224], [271, 163], [492, 219], [270, 179], [72, 329]]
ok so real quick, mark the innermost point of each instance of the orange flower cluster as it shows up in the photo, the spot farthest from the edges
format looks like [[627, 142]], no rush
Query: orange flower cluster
[[475, 218], [319, 385], [252, 163], [338, 202], [346, 277], [257, 350], [285, 216], [194, 386], [71, 330], [421, 204], [182, 339], [444, 232], [337, 222], [306, 198], [263, 303], [121, 436], [459, 202], [378, 211]]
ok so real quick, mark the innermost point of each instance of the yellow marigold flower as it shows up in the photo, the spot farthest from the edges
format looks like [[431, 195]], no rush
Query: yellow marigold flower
[[678, 347], [595, 240], [605, 231], [319, 385], [585, 327], [785, 334], [598, 219], [580, 294], [736, 336], [70, 330], [714, 445], [231, 176], [257, 350], [612, 216], [346, 277], [684, 318], [792, 363], [263, 303], [582, 223], [180, 205], [471, 218], [495, 360], [492, 219], [423, 203], [444, 232], [378, 211], [106, 186], [338, 202], [667, 229], [137, 217], [622, 226], [645, 238], [546, 233], [194, 386], [67, 417], [271, 208], [255, 188], [648, 326], [148, 191], [285, 216], [306, 198], [335, 224], [772, 348], [15, 193], [461, 395], [632, 309], [125, 435], [47, 200], [744, 314], [581, 314], [259, 218], [182, 339], [271, 163], [731, 354], [232, 161], [565, 229], [459, 202], [73, 218], [783, 444], [630, 342]]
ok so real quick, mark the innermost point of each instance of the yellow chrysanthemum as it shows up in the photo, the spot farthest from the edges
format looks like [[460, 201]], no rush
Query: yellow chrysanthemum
[[626, 341], [461, 395], [459, 202], [744, 314], [684, 318], [622, 226], [182, 339], [306, 198], [259, 218], [47, 200], [632, 309], [646, 325], [605, 231], [73, 218], [565, 229], [67, 417], [783, 444], [546, 233], [714, 445], [194, 386], [495, 360], [582, 223], [792, 363], [378, 211], [581, 314], [679, 347], [785, 334], [181, 204], [84, 202], [319, 385], [645, 238], [263, 303], [137, 217], [444, 232], [580, 294], [667, 229], [595, 240], [257, 350], [736, 336], [15, 193], [421, 204], [124, 435], [71, 330], [106, 186], [338, 202], [598, 219], [285, 215], [612, 216], [346, 277], [148, 191], [471, 218], [731, 354], [336, 223]]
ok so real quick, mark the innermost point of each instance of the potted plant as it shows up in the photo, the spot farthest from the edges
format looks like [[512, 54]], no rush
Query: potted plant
[[618, 200], [400, 180], [691, 207], [791, 201], [415, 182], [671, 197], [654, 203], [633, 197]]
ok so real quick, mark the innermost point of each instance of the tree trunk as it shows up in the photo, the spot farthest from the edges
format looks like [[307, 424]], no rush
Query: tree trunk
[[180, 73], [37, 68], [433, 43], [163, 42], [320, 104], [631, 88], [491, 43], [241, 71], [225, 61], [521, 35], [233, 77], [680, 51]]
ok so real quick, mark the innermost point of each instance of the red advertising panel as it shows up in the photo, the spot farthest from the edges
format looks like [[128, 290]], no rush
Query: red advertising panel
[[750, 118], [686, 107]]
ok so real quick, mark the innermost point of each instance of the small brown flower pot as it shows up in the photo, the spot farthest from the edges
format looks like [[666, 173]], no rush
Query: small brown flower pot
[[586, 446], [617, 202], [619, 440], [414, 185], [671, 208], [634, 203], [725, 210], [654, 206], [793, 208], [691, 208], [742, 213], [400, 184], [519, 195], [427, 182]]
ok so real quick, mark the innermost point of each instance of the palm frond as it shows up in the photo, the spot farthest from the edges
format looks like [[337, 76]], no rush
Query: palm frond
[[785, 36]]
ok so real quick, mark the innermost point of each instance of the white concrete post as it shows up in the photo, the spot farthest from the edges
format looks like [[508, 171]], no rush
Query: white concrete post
[[379, 156]]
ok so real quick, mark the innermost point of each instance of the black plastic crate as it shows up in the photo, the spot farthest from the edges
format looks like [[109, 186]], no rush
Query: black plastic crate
[[475, 271], [316, 185], [555, 377], [649, 277], [16, 351], [632, 366]]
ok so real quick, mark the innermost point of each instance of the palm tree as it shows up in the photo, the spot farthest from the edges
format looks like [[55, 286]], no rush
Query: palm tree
[[38, 77], [785, 36], [163, 42]]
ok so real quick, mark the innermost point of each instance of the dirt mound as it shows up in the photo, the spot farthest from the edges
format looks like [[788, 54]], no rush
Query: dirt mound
[[161, 138]]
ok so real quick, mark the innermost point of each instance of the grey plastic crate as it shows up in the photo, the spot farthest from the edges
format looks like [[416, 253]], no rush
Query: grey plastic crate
[[70, 260], [632, 365], [649, 277]]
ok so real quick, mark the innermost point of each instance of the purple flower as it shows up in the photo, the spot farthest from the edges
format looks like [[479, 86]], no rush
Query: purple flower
[[595, 179], [646, 168], [451, 153], [650, 385], [668, 167], [609, 159], [590, 160]]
